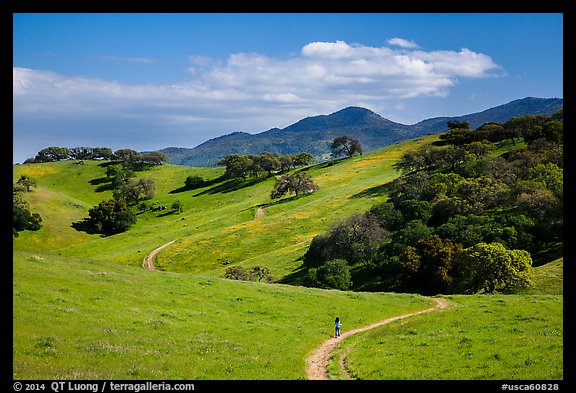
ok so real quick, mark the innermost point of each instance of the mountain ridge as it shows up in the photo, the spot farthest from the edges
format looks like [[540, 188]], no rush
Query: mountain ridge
[[314, 134]]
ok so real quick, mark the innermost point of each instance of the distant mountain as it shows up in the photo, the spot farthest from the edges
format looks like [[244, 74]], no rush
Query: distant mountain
[[498, 114], [315, 134]]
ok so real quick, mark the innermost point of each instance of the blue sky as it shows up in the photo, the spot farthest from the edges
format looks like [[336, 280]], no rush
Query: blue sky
[[148, 81]]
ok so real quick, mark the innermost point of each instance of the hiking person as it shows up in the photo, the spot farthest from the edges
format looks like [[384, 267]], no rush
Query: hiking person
[[337, 326]]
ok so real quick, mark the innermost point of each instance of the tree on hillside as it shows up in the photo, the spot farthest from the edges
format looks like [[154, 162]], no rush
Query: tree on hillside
[[154, 158], [110, 216], [490, 266], [298, 182], [303, 159], [333, 274], [237, 166], [252, 274], [345, 145], [354, 239], [428, 263], [126, 155], [193, 182], [22, 218], [51, 154], [136, 191], [26, 182], [269, 162]]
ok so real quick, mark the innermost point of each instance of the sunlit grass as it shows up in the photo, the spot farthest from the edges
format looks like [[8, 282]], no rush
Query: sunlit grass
[[505, 337], [77, 318]]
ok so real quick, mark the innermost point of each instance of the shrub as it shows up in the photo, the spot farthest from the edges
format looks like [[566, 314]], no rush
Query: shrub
[[334, 274]]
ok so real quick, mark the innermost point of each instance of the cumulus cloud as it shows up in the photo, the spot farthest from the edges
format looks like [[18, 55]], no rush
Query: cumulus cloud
[[250, 91]]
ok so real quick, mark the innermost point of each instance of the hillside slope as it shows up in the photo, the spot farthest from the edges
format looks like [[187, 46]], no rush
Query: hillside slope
[[84, 308], [218, 226]]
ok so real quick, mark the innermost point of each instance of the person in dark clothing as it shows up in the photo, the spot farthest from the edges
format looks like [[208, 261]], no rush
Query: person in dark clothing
[[337, 327]]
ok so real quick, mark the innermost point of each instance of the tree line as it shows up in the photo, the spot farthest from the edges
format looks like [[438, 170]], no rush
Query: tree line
[[461, 218], [128, 157], [243, 166]]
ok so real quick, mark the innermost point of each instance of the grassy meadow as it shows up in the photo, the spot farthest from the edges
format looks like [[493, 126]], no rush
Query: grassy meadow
[[78, 318], [505, 337], [84, 307]]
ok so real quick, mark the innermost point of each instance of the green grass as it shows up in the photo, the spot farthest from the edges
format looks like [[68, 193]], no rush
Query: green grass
[[480, 338], [218, 224], [77, 318], [548, 279], [84, 308]]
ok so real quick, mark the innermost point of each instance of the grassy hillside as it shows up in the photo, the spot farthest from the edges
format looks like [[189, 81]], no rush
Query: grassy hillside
[[548, 279], [84, 308], [218, 225]]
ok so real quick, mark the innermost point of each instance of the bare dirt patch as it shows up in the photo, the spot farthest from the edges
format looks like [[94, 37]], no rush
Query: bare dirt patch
[[260, 213]]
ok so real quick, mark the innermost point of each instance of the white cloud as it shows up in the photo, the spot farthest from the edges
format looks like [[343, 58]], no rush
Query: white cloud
[[248, 91], [401, 42]]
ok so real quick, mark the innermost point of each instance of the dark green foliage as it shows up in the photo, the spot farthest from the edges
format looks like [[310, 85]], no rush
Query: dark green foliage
[[193, 182], [129, 158], [110, 216], [51, 154], [455, 124], [135, 191], [344, 145], [240, 166], [177, 206], [450, 200], [298, 182], [354, 239], [458, 136], [255, 273], [487, 267], [26, 182], [22, 218], [333, 274]]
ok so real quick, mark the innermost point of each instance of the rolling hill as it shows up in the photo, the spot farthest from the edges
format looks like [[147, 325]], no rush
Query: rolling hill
[[314, 134], [85, 308]]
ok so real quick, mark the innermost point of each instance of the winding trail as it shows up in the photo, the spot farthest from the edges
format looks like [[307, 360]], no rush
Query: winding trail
[[317, 362], [148, 262]]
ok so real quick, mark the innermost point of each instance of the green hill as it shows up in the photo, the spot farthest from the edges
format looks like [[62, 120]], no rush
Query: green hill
[[218, 226], [84, 308]]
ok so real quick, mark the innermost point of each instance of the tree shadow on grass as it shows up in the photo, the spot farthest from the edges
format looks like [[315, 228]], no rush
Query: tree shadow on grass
[[231, 185], [279, 201], [374, 192], [327, 164], [297, 275], [206, 183], [103, 183], [85, 226]]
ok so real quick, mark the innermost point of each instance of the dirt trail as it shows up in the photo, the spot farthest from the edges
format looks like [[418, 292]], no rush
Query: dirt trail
[[259, 213], [149, 259], [316, 364]]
